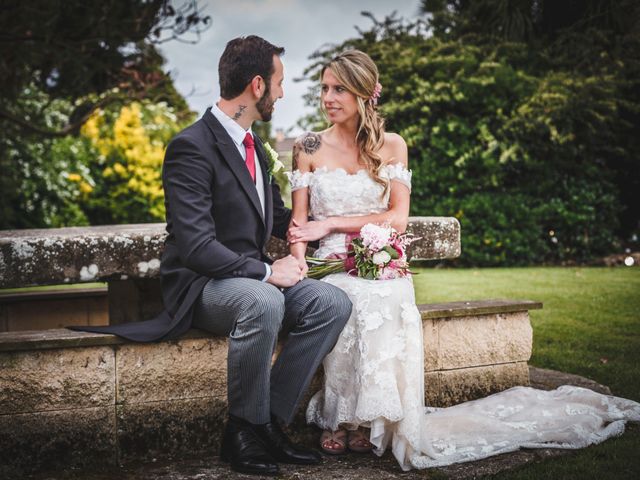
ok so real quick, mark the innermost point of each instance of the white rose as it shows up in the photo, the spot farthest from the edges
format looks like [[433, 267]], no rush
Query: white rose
[[277, 166], [381, 258]]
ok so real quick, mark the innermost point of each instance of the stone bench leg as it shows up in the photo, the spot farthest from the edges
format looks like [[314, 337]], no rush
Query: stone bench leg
[[133, 300]]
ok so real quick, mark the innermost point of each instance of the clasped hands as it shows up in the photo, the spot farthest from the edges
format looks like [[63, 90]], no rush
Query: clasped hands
[[288, 271]]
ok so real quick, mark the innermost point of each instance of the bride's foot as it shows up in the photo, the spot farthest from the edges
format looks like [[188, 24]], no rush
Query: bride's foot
[[333, 443], [359, 441]]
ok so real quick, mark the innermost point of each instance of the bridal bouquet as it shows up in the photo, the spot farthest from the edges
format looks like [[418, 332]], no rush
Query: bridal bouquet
[[378, 253]]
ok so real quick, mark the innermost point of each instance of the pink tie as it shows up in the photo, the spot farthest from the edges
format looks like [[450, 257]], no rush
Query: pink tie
[[251, 158]]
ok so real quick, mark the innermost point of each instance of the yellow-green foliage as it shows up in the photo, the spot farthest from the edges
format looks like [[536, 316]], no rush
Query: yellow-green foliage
[[130, 145]]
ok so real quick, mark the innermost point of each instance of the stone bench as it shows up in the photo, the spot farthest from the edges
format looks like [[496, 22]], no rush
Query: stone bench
[[77, 399], [82, 399]]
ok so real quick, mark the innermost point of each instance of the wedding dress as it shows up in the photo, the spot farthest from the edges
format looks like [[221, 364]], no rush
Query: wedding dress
[[374, 375]]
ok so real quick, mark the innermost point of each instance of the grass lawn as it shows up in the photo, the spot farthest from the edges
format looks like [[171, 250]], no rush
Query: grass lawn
[[590, 326]]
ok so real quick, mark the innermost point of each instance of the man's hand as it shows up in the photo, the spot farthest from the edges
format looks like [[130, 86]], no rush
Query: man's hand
[[286, 272]]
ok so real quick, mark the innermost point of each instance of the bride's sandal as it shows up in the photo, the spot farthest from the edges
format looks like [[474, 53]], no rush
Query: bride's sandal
[[359, 441], [333, 443]]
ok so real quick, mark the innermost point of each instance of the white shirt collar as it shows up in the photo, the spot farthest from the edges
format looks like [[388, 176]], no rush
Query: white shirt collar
[[235, 131]]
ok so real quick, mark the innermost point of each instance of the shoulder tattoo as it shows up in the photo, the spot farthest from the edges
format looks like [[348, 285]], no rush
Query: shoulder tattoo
[[309, 143]]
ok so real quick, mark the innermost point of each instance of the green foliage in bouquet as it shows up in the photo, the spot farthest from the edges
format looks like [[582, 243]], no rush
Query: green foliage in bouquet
[[321, 267], [368, 270]]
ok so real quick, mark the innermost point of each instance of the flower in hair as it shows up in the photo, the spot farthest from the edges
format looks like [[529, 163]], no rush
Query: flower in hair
[[376, 94]]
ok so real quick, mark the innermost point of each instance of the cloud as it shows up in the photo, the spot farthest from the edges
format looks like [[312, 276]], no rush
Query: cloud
[[301, 26]]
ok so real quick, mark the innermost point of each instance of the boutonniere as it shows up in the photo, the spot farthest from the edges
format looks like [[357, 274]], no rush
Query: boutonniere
[[275, 165]]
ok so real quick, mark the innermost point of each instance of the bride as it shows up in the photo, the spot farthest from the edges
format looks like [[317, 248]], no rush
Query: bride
[[354, 173]]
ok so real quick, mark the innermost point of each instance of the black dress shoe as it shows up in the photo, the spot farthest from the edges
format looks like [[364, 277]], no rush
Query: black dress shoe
[[278, 445], [244, 451]]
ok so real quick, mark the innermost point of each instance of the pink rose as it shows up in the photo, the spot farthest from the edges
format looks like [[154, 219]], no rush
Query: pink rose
[[375, 237]]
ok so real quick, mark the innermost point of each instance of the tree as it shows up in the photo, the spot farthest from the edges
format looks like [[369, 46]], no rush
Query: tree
[[535, 21], [60, 63], [527, 151], [125, 170], [94, 52], [593, 37]]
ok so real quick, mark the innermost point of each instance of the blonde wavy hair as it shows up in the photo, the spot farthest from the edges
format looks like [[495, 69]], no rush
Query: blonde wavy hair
[[359, 75]]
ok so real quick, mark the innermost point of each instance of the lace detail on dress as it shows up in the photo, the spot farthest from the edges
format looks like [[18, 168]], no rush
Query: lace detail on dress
[[398, 172], [347, 194], [392, 171], [298, 180], [372, 371], [521, 417]]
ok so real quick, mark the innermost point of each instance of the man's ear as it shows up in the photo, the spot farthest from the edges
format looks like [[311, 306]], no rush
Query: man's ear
[[257, 86]]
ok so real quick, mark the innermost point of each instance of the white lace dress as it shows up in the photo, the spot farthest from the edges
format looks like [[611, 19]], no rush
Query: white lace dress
[[374, 375]]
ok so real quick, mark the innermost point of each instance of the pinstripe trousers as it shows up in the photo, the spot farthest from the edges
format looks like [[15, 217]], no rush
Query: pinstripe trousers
[[253, 314]]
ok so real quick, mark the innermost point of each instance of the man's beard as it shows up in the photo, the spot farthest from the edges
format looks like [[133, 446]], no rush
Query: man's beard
[[265, 105]]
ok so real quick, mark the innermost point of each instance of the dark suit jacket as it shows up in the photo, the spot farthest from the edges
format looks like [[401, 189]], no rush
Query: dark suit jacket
[[215, 224]]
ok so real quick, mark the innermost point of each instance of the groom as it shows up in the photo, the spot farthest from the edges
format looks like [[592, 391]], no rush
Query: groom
[[222, 208]]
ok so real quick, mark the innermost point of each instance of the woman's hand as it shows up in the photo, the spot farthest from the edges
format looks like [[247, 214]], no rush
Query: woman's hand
[[304, 268], [310, 231]]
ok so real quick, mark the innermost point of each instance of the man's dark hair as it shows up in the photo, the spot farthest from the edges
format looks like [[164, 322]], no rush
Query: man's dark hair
[[242, 59]]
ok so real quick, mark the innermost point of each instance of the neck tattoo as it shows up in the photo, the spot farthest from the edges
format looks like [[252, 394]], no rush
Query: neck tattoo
[[238, 114]]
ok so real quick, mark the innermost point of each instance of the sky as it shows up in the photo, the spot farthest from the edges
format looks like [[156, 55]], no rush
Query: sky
[[301, 26]]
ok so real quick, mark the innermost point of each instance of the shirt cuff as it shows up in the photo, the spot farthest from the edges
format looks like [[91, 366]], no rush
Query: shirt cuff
[[268, 268]]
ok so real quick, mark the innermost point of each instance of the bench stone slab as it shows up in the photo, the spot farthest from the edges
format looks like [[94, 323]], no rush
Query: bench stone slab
[[119, 252], [62, 338], [79, 254], [476, 307]]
